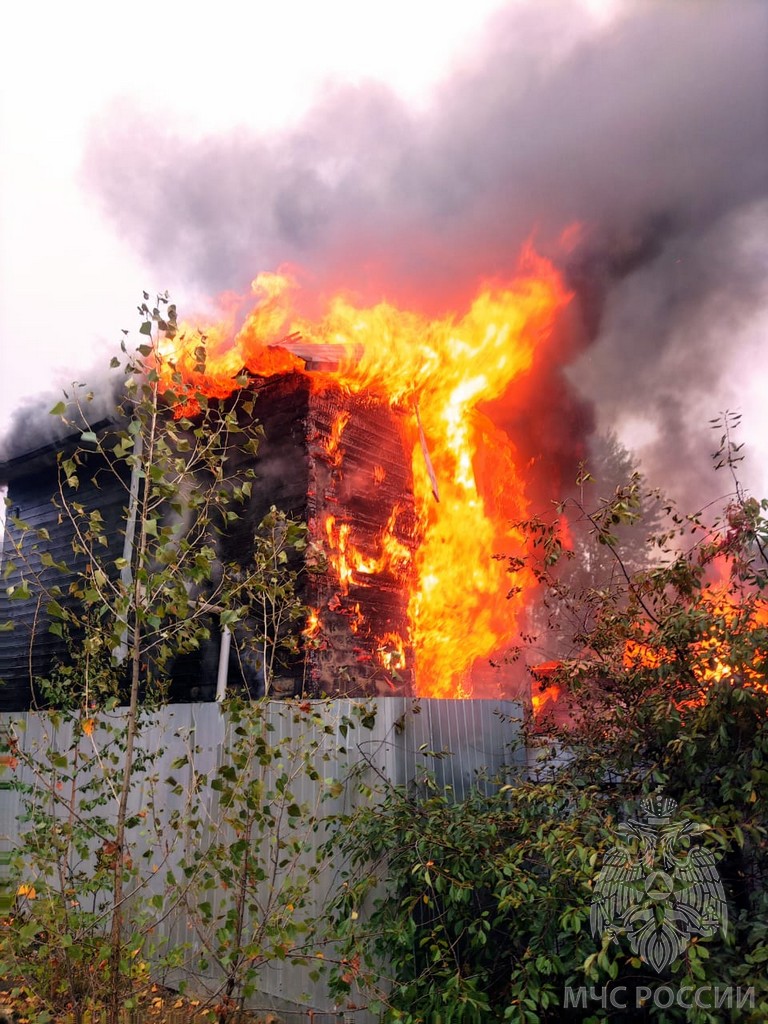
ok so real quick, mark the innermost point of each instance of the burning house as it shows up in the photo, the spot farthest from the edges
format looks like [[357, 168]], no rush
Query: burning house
[[373, 434], [338, 461], [356, 639]]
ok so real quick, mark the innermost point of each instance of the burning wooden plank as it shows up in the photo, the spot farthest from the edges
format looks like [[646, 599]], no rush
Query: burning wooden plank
[[361, 509]]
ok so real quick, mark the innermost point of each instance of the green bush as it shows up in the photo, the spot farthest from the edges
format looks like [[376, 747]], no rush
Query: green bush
[[479, 911]]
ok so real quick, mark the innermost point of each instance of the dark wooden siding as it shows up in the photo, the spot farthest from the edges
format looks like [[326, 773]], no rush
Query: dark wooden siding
[[30, 651], [281, 479]]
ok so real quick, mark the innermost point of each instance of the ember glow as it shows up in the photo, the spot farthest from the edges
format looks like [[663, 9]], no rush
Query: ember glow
[[716, 655], [468, 488], [540, 700], [545, 693]]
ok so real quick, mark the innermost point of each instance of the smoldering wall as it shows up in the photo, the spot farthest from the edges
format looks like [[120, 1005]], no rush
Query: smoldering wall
[[651, 132]]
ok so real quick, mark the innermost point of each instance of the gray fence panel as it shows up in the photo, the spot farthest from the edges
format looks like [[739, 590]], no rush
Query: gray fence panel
[[472, 737]]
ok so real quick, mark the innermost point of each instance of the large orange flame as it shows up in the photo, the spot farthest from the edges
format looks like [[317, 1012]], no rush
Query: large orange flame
[[468, 488]]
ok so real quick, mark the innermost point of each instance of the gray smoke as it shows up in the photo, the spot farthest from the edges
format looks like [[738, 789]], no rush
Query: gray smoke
[[34, 426], [653, 133]]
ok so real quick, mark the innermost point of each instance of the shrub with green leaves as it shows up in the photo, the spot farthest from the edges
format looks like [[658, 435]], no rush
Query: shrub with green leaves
[[80, 931], [479, 911]]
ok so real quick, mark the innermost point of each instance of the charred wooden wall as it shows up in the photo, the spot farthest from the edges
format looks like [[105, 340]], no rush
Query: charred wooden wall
[[328, 453], [361, 476], [281, 409], [305, 467], [282, 465]]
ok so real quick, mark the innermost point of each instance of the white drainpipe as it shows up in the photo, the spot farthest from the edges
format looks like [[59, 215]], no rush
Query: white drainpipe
[[221, 679], [126, 573]]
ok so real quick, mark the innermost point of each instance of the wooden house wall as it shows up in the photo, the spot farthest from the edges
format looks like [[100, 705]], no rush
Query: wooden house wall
[[364, 481], [30, 651], [361, 483], [281, 470]]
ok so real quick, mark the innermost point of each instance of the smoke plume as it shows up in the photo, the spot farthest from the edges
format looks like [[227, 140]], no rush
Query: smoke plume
[[34, 426], [651, 132]]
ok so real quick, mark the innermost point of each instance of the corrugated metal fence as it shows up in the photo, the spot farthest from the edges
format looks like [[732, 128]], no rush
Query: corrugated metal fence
[[364, 745]]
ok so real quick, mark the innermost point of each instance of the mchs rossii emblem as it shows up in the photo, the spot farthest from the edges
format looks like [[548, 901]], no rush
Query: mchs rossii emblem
[[659, 886]]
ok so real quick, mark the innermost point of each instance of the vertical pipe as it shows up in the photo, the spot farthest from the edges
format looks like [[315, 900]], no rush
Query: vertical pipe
[[3, 496], [221, 678], [126, 573]]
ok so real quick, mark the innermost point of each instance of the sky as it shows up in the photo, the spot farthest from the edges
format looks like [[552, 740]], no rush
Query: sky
[[68, 280], [186, 147]]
